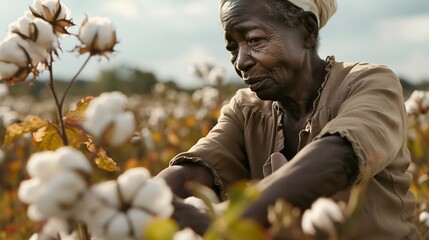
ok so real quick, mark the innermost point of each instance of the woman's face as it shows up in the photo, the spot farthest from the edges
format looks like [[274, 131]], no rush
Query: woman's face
[[265, 52]]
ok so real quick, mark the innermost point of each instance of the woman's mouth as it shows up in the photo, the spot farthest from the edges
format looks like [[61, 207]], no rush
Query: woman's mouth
[[255, 83]]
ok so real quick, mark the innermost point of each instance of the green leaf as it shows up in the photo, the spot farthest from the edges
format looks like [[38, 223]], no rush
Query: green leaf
[[241, 196], [246, 229], [230, 225], [161, 229]]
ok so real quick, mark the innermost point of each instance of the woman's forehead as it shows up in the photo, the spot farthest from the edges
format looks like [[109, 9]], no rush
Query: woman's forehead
[[235, 11]]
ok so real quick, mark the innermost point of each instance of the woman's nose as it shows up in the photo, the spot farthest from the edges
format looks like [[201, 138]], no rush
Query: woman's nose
[[244, 60]]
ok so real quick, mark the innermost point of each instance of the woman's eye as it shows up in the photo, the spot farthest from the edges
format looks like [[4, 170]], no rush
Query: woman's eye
[[254, 41], [231, 47]]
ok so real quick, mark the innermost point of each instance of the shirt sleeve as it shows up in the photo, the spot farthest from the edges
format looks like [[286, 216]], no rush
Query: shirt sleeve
[[222, 151], [372, 117]]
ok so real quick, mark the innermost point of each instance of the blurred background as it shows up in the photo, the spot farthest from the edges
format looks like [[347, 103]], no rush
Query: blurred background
[[167, 37]]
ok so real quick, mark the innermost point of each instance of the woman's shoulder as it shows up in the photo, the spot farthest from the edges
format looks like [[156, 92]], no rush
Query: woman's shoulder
[[360, 69], [356, 73]]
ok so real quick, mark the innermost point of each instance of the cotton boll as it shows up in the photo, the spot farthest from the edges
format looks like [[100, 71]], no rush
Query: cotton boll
[[197, 203], [42, 165], [11, 52], [115, 101], [9, 118], [424, 218], [118, 227], [123, 128], [34, 214], [411, 106], [99, 220], [35, 236], [131, 181], [88, 206], [186, 234], [72, 159], [35, 29], [97, 118], [48, 8], [425, 101], [23, 26], [139, 220], [46, 37], [98, 35], [59, 196], [8, 70], [29, 190], [108, 192], [55, 227], [323, 215], [155, 196], [217, 76]]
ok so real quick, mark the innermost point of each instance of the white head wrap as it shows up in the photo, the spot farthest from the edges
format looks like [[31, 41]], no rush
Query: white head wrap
[[323, 9]]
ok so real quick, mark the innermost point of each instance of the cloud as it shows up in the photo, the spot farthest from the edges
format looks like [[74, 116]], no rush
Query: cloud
[[410, 29], [413, 67], [125, 8]]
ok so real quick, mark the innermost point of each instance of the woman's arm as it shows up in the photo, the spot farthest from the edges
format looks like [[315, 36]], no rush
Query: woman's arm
[[322, 168], [177, 176]]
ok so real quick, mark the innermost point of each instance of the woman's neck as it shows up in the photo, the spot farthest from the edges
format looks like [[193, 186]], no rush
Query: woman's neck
[[299, 104]]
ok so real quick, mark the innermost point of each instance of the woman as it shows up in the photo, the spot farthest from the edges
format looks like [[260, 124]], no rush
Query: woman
[[320, 123]]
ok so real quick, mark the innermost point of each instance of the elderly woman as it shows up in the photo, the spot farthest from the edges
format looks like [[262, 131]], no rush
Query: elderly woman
[[306, 127]]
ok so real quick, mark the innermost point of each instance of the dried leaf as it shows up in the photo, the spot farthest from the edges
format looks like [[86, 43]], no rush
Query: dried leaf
[[47, 138], [77, 116], [30, 124], [102, 160]]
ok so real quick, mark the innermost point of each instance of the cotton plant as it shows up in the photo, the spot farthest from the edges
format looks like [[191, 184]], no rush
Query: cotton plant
[[59, 172], [107, 120], [58, 180], [32, 46], [322, 218], [417, 106], [123, 208]]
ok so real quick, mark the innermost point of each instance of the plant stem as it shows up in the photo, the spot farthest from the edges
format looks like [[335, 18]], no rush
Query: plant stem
[[59, 106], [83, 229], [73, 80], [60, 103]]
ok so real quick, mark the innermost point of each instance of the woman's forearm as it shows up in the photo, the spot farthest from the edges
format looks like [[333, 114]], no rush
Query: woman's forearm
[[322, 168], [177, 176]]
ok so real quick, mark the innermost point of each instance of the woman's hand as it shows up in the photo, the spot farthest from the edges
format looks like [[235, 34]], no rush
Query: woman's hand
[[187, 215]]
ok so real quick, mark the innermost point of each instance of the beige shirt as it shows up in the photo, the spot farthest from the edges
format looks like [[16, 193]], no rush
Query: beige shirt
[[363, 103]]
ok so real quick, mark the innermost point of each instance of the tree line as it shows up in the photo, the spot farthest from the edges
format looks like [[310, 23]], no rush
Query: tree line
[[136, 81]]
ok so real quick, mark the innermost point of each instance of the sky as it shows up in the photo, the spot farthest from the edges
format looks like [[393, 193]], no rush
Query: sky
[[167, 37]]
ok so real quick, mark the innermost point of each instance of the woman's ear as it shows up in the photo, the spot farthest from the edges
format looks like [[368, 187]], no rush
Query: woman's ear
[[312, 30]]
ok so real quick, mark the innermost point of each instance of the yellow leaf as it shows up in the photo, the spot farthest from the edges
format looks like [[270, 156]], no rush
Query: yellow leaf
[[47, 138], [102, 160], [78, 115], [30, 124], [105, 162]]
